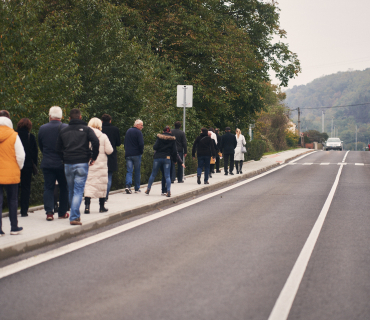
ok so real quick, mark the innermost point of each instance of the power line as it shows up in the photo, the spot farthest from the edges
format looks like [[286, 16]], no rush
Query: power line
[[349, 105]]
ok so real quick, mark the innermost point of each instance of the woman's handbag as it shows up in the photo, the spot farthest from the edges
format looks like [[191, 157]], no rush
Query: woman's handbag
[[244, 149], [213, 160]]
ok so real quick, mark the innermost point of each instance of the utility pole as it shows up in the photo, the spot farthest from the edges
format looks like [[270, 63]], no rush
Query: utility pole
[[323, 121], [356, 137], [332, 119], [299, 126]]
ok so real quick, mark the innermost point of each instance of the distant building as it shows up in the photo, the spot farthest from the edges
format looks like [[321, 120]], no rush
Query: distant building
[[292, 127]]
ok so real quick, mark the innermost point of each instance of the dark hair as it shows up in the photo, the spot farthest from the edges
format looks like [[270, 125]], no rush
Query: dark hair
[[177, 125], [204, 130], [227, 129], [106, 117], [75, 113], [211, 129], [4, 113], [24, 123], [167, 129], [217, 130]]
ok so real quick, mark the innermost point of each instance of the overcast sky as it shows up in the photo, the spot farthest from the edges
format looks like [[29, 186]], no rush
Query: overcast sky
[[328, 35]]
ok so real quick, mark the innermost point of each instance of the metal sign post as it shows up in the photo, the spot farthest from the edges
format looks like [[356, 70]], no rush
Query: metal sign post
[[184, 100]]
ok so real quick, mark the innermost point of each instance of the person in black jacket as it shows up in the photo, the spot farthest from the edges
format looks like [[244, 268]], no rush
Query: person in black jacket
[[204, 146], [228, 145], [73, 146], [52, 165], [165, 150], [182, 150], [112, 133], [219, 138], [30, 148]]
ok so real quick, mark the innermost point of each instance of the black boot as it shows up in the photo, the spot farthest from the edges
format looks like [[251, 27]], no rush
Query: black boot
[[198, 179], [87, 208], [87, 205], [101, 204], [241, 165], [237, 167]]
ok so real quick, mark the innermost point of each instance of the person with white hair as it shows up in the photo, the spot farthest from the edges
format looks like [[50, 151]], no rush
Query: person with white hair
[[52, 165], [97, 178], [134, 148]]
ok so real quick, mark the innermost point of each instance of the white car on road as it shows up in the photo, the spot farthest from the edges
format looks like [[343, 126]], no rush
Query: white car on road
[[333, 144]]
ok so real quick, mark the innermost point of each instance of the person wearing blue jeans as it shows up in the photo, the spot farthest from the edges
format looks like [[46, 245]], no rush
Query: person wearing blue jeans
[[73, 145], [165, 166], [134, 148], [76, 175], [133, 163], [204, 162], [165, 151], [204, 147]]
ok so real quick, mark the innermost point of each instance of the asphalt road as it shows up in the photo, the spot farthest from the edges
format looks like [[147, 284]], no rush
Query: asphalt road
[[227, 257]]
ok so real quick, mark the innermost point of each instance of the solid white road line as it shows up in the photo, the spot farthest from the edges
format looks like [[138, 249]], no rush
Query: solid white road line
[[359, 164], [345, 156], [287, 295], [324, 163], [30, 262]]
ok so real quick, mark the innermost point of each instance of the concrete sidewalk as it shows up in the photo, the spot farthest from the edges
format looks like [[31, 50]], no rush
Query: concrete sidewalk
[[38, 232]]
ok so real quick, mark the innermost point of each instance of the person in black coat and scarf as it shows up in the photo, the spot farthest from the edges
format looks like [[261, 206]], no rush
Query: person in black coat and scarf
[[112, 133], [30, 148], [165, 150], [204, 146], [228, 145]]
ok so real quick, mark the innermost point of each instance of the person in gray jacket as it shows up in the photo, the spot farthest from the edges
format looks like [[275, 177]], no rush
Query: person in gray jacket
[[182, 150]]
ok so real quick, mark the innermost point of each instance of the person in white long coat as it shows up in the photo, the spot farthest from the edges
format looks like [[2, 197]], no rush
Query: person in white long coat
[[239, 155], [97, 179]]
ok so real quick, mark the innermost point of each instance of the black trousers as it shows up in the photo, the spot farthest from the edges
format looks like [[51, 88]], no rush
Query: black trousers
[[228, 157], [238, 165], [12, 197], [217, 163], [177, 172], [25, 189]]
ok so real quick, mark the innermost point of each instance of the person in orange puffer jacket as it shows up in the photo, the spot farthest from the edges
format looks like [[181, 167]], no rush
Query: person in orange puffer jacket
[[12, 158]]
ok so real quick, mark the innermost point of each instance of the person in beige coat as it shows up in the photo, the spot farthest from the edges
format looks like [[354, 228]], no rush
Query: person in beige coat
[[97, 179]]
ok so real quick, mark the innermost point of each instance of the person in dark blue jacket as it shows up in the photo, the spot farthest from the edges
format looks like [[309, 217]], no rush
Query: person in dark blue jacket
[[134, 148], [52, 165]]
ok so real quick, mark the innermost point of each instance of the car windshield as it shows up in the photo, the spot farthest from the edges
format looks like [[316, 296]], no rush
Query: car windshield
[[334, 140]]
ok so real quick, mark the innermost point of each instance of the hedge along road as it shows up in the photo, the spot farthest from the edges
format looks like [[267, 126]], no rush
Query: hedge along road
[[226, 256]]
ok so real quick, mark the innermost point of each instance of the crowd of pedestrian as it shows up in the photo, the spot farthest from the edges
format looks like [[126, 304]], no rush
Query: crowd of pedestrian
[[79, 159]]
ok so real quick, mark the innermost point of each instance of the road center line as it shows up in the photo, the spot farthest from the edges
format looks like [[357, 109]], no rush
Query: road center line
[[287, 295], [30, 262]]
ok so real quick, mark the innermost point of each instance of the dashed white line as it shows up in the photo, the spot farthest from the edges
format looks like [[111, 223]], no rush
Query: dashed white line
[[359, 164], [324, 163]]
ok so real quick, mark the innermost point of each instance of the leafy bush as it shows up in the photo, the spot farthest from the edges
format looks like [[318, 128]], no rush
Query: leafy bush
[[291, 139], [255, 149]]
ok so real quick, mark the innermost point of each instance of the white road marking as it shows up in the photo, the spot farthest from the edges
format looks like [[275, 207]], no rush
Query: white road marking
[[30, 262], [345, 156], [287, 295], [308, 163], [359, 164], [324, 163], [342, 163]]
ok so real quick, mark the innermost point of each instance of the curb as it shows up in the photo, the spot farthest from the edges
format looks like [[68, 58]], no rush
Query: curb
[[19, 248]]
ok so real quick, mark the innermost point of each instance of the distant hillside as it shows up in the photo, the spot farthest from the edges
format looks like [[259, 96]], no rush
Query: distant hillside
[[342, 88]]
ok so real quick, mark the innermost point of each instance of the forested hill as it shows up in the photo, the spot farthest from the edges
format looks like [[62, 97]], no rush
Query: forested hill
[[339, 89]]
